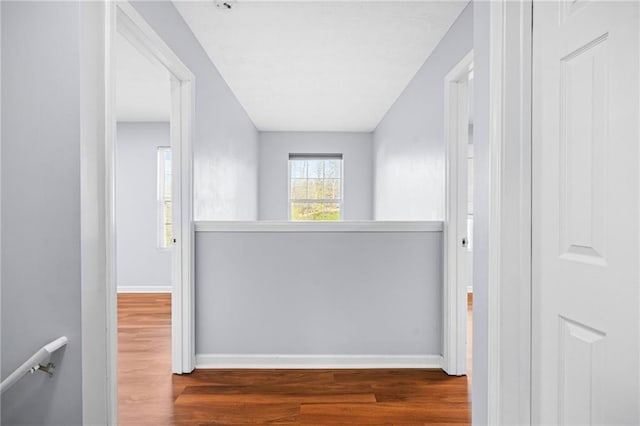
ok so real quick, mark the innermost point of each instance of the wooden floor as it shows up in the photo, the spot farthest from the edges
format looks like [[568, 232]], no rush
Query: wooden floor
[[148, 394]]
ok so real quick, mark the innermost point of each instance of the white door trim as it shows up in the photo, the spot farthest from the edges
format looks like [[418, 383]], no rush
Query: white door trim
[[509, 249], [98, 368], [455, 288], [98, 21], [130, 24]]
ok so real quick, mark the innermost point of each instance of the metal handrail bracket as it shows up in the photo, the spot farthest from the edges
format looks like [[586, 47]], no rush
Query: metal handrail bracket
[[37, 362]]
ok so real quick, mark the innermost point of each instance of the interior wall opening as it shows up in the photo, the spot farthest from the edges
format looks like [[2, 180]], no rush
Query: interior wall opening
[[391, 209], [144, 176], [469, 207]]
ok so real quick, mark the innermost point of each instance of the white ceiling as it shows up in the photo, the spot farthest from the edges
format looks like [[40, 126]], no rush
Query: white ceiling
[[143, 88], [315, 65]]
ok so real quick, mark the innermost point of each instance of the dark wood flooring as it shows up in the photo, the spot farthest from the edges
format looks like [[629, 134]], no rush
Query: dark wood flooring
[[148, 394]]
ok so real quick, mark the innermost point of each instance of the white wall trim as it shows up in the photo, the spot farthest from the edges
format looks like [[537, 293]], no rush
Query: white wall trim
[[98, 332], [456, 127], [317, 361], [496, 75], [509, 280], [141, 35], [145, 289], [342, 226]]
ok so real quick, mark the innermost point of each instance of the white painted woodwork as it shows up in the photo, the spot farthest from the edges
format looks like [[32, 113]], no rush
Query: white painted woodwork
[[585, 336], [132, 26], [317, 361], [320, 226], [502, 213], [456, 264]]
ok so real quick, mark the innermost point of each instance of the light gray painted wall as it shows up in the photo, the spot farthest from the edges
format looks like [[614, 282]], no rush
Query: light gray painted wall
[[357, 150], [41, 261], [319, 293], [480, 210], [139, 260], [225, 139], [409, 142]]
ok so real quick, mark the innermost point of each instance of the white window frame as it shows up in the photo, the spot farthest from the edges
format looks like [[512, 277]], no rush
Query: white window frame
[[161, 199], [315, 200]]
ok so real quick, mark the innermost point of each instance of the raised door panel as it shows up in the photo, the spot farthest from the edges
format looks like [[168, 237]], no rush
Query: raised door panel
[[582, 174], [581, 363]]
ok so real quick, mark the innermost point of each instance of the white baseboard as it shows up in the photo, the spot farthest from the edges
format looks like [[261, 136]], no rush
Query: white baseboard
[[144, 289], [317, 361]]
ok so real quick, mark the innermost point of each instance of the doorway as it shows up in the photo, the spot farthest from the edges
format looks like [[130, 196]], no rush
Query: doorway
[[143, 232], [458, 235], [174, 172], [143, 195], [470, 216], [128, 23]]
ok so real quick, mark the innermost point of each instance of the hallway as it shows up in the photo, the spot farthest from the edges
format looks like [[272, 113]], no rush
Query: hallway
[[148, 394]]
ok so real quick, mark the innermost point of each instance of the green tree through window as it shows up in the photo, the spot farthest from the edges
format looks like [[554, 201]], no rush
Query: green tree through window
[[315, 187]]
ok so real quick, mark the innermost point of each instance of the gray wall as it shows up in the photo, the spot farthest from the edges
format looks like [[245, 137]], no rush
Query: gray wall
[[330, 293], [357, 149], [480, 210], [225, 139], [140, 262], [409, 142], [41, 207]]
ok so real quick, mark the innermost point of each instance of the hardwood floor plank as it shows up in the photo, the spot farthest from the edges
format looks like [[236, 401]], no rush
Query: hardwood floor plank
[[276, 394], [362, 414], [428, 393], [148, 394], [395, 376], [259, 377], [145, 389], [238, 413]]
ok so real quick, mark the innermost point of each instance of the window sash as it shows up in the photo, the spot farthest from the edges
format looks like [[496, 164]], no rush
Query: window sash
[[324, 181], [164, 228], [315, 156], [316, 200]]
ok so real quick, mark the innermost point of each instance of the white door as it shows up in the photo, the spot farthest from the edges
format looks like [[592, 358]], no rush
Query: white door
[[585, 344]]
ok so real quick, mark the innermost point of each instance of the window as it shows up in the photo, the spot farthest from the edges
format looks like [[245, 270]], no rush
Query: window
[[164, 198], [315, 187]]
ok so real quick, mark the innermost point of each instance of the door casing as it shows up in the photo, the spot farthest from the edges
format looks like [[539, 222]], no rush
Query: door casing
[[456, 128], [98, 25], [130, 24], [507, 300]]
